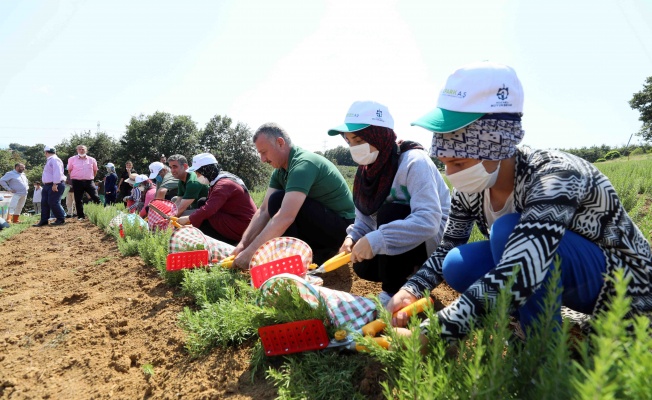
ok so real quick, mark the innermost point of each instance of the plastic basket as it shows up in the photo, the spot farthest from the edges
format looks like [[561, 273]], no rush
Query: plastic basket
[[186, 259], [293, 337], [288, 265]]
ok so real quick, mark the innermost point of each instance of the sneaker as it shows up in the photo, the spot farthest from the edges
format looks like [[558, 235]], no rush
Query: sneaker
[[384, 298], [80, 218]]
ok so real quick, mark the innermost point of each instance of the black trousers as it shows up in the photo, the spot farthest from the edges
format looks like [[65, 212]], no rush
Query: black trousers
[[207, 229], [320, 227], [392, 271], [79, 187]]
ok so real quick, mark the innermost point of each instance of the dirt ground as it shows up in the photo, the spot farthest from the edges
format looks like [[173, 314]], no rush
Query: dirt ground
[[78, 321]]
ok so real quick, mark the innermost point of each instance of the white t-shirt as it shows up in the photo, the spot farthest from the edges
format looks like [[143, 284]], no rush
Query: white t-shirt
[[492, 215]]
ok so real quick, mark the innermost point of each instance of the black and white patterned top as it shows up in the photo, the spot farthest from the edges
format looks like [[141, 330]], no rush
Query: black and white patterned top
[[554, 191]]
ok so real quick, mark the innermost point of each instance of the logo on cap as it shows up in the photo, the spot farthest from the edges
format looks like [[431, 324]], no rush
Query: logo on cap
[[379, 113], [503, 93]]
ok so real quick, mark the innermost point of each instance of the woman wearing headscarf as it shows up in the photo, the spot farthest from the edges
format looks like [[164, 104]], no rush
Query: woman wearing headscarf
[[228, 208], [531, 206], [110, 185], [401, 200]]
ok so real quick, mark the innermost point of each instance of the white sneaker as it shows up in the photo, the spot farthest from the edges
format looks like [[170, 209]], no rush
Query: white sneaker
[[384, 298]]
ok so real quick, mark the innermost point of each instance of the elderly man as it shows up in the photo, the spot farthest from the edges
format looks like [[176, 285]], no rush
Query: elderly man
[[16, 182], [189, 189], [82, 169], [307, 198], [166, 184], [53, 185]]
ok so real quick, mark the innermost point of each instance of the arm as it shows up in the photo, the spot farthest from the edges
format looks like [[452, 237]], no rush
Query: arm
[[218, 195], [292, 202], [3, 182], [160, 193], [94, 168], [182, 205], [257, 224]]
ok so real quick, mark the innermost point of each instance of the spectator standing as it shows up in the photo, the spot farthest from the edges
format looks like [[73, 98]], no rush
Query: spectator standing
[[228, 208], [307, 198], [69, 196], [123, 186], [166, 184], [110, 185], [82, 169], [36, 199], [16, 182], [189, 190], [53, 185]]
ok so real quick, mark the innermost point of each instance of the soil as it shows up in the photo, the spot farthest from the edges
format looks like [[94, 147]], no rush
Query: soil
[[79, 321]]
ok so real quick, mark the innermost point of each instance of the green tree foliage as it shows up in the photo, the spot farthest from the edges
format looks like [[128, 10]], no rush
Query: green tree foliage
[[147, 137], [234, 149], [100, 146], [340, 156], [642, 101], [9, 158], [33, 155], [612, 155]]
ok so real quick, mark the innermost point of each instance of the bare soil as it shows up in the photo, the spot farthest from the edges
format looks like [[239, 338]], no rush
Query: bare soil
[[79, 321]]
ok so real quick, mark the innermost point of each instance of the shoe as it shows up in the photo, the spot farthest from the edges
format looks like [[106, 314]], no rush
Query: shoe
[[384, 298], [58, 223], [40, 224], [80, 219]]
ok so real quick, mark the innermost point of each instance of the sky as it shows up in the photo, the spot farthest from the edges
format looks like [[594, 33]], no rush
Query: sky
[[67, 66]]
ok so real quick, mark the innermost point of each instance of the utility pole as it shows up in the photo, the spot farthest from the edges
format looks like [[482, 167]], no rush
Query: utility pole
[[98, 126]]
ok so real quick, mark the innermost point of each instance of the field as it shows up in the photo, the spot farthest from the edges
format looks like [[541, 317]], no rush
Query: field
[[87, 316]]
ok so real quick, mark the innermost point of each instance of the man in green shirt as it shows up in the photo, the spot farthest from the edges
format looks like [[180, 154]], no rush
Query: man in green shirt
[[189, 190], [307, 198]]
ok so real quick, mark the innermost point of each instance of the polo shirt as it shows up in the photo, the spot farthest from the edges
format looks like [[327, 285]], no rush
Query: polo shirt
[[317, 178]]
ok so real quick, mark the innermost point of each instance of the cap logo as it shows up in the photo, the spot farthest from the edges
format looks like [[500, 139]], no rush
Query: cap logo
[[379, 113], [352, 115], [453, 93], [503, 93]]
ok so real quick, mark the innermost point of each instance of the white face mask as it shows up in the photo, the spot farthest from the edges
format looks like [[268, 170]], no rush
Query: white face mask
[[474, 179], [362, 154]]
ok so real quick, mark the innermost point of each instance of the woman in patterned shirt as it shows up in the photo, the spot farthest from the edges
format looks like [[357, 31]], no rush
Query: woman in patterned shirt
[[531, 205]]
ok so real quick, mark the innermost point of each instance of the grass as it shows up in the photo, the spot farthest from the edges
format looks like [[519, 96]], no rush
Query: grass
[[613, 362], [26, 221]]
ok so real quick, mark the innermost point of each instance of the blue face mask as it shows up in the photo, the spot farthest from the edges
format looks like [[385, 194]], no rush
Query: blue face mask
[[159, 179]]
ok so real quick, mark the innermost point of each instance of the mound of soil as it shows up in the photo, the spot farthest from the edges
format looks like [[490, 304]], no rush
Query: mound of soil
[[79, 321]]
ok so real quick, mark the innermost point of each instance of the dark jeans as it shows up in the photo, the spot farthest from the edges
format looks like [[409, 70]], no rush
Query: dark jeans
[[51, 202], [207, 229], [392, 271], [109, 199], [320, 227], [79, 187]]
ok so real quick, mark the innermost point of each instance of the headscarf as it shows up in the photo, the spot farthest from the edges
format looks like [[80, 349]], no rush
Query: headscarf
[[373, 182], [488, 138], [210, 171]]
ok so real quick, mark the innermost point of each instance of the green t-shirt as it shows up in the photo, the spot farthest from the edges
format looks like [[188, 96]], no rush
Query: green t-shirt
[[192, 189], [317, 178]]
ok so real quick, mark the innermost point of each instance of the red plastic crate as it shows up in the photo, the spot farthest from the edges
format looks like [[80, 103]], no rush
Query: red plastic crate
[[290, 265], [293, 337], [186, 259]]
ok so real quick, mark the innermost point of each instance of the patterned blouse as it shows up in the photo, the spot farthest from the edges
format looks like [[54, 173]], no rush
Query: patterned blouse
[[554, 191]]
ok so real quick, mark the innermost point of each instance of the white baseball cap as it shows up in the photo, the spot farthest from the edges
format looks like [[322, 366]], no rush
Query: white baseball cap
[[155, 168], [140, 179], [202, 159], [470, 93], [49, 149], [110, 165], [362, 114]]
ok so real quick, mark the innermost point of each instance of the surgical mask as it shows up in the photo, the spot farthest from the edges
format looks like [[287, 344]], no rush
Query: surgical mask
[[159, 179], [474, 179], [362, 154], [202, 179]]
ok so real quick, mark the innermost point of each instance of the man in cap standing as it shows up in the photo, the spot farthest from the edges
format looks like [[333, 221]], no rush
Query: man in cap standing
[[53, 185], [16, 182], [82, 169]]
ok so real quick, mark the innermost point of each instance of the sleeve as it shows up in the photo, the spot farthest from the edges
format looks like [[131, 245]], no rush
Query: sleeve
[[419, 184], [3, 181], [362, 226], [193, 189], [219, 195], [274, 182], [301, 177], [551, 201], [458, 231]]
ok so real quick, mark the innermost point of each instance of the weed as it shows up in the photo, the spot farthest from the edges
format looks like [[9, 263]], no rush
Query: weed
[[148, 370], [103, 260]]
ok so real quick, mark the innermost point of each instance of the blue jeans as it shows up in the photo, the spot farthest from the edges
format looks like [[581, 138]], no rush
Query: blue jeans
[[582, 269], [51, 201]]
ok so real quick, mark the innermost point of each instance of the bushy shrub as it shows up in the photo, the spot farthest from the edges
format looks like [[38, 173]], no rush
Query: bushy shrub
[[613, 154], [600, 160]]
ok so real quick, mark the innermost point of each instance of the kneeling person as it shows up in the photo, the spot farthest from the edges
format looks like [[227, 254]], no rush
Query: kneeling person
[[228, 208]]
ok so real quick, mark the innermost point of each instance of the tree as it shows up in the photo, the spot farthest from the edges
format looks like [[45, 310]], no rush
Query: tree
[[234, 149], [33, 154], [100, 146], [340, 156], [147, 137], [642, 101]]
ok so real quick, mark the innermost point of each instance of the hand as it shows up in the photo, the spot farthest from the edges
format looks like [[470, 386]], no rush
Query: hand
[[401, 299], [238, 249], [55, 188], [242, 260], [346, 246], [361, 251], [184, 220]]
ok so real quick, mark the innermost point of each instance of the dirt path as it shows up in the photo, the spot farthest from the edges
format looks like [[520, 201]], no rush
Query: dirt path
[[78, 321]]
